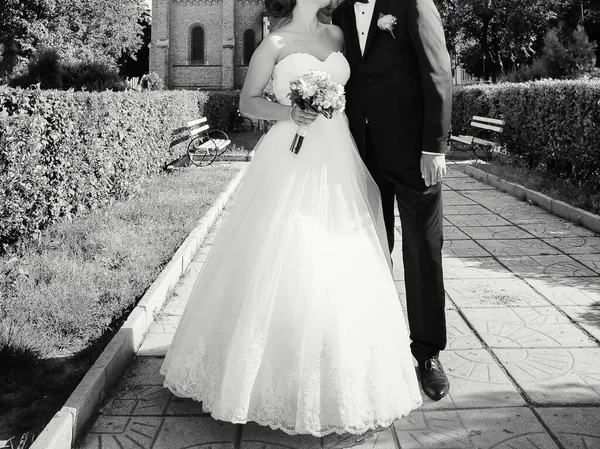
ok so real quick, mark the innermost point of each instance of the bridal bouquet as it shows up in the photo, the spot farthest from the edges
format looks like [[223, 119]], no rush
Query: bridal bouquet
[[317, 92]]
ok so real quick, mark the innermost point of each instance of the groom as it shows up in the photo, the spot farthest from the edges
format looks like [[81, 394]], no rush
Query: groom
[[399, 105]]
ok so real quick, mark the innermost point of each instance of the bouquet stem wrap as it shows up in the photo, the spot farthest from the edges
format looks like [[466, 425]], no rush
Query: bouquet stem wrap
[[301, 132]]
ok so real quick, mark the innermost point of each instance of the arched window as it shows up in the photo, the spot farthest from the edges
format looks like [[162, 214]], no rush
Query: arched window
[[198, 45], [249, 45]]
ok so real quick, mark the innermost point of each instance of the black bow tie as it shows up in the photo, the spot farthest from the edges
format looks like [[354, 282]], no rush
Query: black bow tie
[[352, 2]]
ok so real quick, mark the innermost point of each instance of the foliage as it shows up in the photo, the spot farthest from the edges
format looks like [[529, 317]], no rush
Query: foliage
[[553, 125], [92, 76], [137, 64], [152, 81], [44, 69], [221, 109], [47, 70], [571, 58], [80, 30], [63, 153], [493, 36]]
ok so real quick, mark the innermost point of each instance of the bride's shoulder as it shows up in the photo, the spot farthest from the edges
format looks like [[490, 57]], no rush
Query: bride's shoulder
[[271, 44], [336, 34]]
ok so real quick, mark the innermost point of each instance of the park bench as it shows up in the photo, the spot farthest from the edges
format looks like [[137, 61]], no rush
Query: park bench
[[204, 145], [474, 143]]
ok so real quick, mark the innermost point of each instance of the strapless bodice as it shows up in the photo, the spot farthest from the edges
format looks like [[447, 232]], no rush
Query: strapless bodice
[[297, 64]]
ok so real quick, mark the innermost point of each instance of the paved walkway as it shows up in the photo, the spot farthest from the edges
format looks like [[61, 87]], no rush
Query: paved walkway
[[523, 355]]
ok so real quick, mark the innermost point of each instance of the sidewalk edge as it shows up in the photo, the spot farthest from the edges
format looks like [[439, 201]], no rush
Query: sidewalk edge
[[69, 423], [555, 207]]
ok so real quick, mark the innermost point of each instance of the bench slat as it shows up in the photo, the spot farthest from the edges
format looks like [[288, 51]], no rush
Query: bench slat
[[196, 122], [223, 143], [196, 131], [494, 121], [484, 142], [463, 139], [497, 129], [205, 146]]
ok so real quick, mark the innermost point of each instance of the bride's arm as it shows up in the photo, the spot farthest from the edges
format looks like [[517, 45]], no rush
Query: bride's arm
[[259, 72]]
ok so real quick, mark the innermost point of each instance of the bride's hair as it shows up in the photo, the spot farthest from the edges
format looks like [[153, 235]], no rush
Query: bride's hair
[[280, 8]]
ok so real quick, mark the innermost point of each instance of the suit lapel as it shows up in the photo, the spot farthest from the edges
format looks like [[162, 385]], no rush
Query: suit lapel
[[380, 7], [353, 43]]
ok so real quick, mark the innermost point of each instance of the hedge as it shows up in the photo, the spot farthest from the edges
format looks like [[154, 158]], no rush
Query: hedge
[[551, 124], [62, 153]]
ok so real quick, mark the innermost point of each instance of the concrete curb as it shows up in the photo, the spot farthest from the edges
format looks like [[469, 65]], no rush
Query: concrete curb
[[70, 423], [555, 207]]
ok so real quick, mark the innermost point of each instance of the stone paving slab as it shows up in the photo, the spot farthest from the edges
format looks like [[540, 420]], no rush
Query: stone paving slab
[[576, 245], [488, 219], [466, 184], [576, 428], [379, 439], [556, 265], [468, 293], [476, 380], [453, 233], [459, 334], [259, 437], [555, 376], [517, 248], [499, 428], [570, 291], [456, 199], [587, 317], [473, 209], [463, 248], [556, 227], [526, 327], [474, 268], [495, 232]]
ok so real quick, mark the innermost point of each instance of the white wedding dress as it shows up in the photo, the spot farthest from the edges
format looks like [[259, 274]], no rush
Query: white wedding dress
[[294, 321]]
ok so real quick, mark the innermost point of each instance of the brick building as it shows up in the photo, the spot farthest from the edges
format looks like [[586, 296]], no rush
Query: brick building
[[205, 43]]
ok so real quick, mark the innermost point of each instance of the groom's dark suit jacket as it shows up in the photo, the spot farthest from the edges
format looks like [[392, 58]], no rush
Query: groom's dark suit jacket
[[402, 85]]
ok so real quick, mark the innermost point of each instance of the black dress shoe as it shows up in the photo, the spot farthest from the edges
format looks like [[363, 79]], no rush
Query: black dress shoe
[[433, 379]]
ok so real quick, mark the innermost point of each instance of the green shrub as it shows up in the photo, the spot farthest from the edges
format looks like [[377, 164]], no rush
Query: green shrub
[[44, 69], [221, 109], [62, 153], [92, 76], [152, 81], [50, 72], [554, 125]]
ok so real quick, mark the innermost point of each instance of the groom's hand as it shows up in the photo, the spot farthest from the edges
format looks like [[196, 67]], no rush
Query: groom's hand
[[433, 168]]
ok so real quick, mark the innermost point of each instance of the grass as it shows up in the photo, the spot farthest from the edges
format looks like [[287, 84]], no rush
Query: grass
[[63, 296], [584, 197]]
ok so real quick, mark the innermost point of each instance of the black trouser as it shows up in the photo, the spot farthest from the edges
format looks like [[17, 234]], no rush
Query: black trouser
[[421, 218]]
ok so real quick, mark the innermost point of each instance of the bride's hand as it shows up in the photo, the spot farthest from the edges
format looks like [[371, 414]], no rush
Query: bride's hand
[[300, 117]]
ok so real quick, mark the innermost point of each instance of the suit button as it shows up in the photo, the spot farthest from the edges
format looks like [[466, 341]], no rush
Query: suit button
[[367, 80]]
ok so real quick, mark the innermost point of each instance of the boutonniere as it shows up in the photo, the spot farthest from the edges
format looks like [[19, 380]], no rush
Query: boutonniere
[[387, 22]]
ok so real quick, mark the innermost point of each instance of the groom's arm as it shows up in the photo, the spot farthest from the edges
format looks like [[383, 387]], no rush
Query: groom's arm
[[427, 36]]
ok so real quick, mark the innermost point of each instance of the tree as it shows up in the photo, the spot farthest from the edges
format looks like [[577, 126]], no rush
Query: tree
[[98, 30], [505, 32], [493, 36], [19, 23], [138, 64], [79, 30]]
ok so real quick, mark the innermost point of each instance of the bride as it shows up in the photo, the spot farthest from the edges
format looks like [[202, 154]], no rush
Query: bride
[[294, 321]]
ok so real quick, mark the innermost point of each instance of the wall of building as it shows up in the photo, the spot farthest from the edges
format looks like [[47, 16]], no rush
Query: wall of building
[[170, 48]]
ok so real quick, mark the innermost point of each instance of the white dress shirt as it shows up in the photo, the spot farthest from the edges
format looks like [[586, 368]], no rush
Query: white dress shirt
[[364, 15]]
